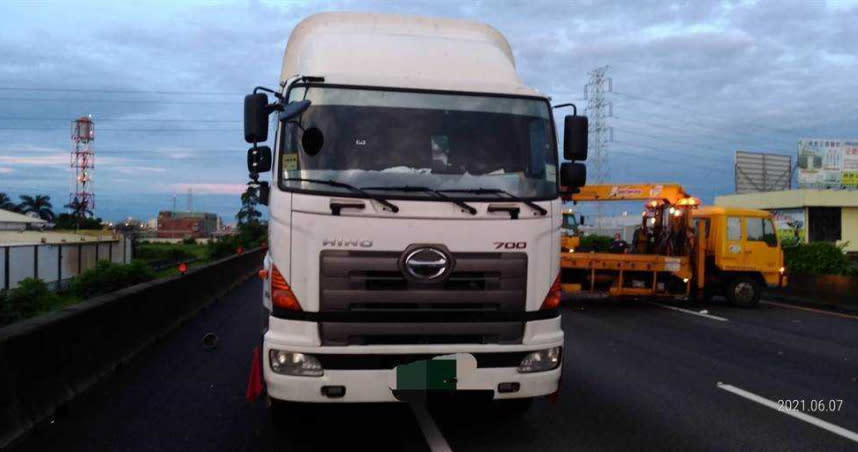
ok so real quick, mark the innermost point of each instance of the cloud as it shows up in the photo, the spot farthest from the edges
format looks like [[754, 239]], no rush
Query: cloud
[[209, 188], [6, 170], [132, 170], [35, 160], [692, 81]]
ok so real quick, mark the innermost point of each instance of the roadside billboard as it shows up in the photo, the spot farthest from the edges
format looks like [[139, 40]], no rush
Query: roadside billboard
[[761, 172], [827, 163]]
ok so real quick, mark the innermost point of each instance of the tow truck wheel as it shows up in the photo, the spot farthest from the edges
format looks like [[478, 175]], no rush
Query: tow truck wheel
[[744, 292]]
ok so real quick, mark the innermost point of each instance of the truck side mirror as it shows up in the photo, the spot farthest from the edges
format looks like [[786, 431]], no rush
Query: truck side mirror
[[256, 118], [575, 137], [259, 159], [573, 175]]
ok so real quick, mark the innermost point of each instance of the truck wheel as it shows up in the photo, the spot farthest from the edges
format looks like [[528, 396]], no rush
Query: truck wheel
[[744, 292]]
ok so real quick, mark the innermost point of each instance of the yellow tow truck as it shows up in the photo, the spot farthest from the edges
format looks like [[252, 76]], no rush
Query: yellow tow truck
[[680, 250]]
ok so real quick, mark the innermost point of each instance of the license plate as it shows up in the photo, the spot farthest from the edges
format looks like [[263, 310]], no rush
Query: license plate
[[442, 373]]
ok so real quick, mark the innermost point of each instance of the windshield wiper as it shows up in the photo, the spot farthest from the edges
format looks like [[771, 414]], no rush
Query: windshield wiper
[[498, 191], [393, 207], [412, 188]]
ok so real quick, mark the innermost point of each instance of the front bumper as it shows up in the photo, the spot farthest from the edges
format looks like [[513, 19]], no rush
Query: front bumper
[[373, 386], [365, 371]]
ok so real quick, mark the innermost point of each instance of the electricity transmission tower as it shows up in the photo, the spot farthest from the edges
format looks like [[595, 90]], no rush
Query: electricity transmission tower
[[599, 108]]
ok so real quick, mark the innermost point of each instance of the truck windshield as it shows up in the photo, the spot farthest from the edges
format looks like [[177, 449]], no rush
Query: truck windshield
[[378, 138]]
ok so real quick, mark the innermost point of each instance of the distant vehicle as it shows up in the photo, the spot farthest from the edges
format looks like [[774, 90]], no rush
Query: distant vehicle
[[415, 214], [680, 250]]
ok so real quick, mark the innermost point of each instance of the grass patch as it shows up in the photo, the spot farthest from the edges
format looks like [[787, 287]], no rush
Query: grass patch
[[155, 252]]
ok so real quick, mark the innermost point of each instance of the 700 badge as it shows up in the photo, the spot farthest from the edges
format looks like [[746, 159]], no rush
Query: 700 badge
[[510, 245]]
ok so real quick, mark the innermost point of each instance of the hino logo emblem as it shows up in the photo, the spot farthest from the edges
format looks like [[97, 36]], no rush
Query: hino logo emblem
[[426, 263], [348, 243]]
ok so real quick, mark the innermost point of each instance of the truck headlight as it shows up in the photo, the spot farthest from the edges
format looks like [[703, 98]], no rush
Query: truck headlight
[[294, 363], [540, 361]]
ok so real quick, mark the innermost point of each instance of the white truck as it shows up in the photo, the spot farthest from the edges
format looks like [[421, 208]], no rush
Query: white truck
[[415, 217]]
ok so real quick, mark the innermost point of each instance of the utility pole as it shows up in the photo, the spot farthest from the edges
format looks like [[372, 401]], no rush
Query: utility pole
[[599, 108]]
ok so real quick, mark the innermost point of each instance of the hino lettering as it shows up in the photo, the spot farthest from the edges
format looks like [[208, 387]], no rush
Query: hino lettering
[[347, 243], [419, 133]]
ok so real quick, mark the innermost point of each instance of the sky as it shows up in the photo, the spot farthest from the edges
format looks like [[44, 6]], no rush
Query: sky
[[692, 82]]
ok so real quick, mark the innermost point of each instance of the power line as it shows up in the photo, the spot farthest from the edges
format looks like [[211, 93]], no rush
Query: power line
[[691, 110], [121, 101], [103, 129], [680, 142], [649, 157], [130, 91], [662, 149], [712, 130], [120, 119]]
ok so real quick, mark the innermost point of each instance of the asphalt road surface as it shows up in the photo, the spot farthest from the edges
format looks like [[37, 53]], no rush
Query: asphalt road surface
[[637, 376]]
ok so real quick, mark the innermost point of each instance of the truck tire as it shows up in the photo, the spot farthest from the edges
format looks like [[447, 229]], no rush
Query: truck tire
[[743, 291]]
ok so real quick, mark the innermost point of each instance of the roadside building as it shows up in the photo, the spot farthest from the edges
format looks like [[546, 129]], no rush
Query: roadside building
[[180, 225], [13, 221], [815, 215]]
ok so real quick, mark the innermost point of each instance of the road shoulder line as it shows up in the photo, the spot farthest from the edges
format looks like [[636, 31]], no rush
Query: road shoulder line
[[804, 308]]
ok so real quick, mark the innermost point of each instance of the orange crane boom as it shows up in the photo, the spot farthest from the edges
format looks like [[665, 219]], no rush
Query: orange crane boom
[[670, 193]]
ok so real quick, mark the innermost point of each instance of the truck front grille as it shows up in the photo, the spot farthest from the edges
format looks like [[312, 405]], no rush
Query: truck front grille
[[371, 281]]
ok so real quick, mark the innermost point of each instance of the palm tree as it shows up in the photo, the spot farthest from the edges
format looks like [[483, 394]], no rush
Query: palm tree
[[248, 213], [7, 204], [78, 209], [39, 204]]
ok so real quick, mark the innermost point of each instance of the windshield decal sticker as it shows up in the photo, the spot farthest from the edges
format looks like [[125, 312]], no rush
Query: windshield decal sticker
[[290, 161]]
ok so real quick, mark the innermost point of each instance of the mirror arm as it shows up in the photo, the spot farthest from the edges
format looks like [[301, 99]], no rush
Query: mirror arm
[[268, 90], [570, 104]]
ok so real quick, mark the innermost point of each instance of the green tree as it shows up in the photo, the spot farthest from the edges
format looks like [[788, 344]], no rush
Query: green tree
[[7, 204], [39, 204], [80, 211], [66, 221], [249, 214]]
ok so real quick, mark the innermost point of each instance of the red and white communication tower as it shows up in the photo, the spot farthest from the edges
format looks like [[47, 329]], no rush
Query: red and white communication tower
[[83, 162]]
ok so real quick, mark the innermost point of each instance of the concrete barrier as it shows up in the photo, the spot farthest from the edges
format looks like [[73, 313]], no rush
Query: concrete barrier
[[831, 290], [47, 361]]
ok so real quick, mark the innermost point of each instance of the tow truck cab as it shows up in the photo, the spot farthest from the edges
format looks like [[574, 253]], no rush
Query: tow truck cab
[[743, 252], [415, 218]]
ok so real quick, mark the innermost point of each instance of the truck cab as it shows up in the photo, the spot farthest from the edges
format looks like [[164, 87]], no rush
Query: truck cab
[[415, 218], [743, 252]]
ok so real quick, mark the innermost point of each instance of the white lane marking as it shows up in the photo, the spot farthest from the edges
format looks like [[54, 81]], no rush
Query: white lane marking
[[837, 430], [430, 430], [803, 308], [689, 311]]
